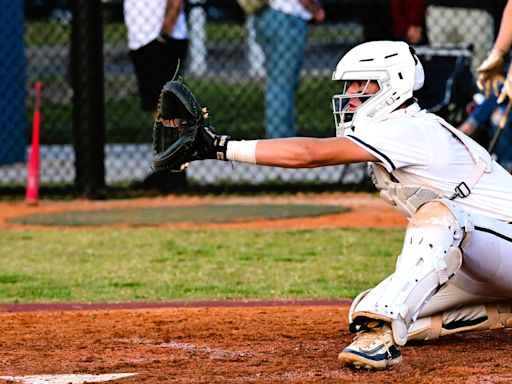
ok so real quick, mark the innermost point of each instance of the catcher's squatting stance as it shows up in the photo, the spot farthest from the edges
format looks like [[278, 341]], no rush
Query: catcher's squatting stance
[[454, 272]]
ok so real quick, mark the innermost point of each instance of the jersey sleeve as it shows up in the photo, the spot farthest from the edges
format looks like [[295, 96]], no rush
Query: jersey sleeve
[[397, 143]]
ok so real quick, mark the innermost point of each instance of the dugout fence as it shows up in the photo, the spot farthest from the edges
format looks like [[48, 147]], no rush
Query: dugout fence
[[96, 136]]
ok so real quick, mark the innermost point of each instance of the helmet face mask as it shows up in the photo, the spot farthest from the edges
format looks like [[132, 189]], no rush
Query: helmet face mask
[[344, 109], [390, 64]]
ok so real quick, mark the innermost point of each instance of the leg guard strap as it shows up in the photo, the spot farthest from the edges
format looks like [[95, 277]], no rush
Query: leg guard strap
[[470, 318]]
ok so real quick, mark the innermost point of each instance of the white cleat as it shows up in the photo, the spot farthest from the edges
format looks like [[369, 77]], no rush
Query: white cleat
[[373, 349]]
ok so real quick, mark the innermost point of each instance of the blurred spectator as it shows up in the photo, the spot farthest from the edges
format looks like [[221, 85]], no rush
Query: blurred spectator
[[157, 39], [457, 25], [486, 116], [158, 43], [409, 20], [497, 87], [490, 72], [282, 31]]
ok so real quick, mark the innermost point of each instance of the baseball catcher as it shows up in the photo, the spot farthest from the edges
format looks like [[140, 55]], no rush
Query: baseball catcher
[[454, 272]]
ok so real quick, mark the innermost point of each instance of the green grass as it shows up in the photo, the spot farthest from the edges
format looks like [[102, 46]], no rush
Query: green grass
[[49, 32], [222, 213], [163, 264]]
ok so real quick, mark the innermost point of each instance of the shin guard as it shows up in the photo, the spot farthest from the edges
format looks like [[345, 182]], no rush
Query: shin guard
[[429, 257]]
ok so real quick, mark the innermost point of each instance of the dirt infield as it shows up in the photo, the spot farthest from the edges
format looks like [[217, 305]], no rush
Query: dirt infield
[[367, 211], [201, 342], [278, 344]]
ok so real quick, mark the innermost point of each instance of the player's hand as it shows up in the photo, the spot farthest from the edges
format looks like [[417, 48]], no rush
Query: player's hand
[[490, 73], [414, 34], [319, 15], [506, 91], [163, 38]]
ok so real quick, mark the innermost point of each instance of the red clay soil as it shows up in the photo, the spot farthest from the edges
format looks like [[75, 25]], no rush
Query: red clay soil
[[286, 344], [367, 210], [228, 342]]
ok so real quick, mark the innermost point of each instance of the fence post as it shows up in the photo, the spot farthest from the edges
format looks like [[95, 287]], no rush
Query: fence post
[[255, 55], [88, 97], [197, 43]]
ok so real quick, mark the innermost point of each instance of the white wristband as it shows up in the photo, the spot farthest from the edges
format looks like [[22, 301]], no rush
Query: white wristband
[[243, 151]]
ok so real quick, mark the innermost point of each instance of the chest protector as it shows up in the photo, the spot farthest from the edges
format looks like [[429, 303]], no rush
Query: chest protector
[[408, 198]]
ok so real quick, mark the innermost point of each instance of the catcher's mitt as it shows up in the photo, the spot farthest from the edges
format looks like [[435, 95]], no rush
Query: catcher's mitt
[[181, 132]]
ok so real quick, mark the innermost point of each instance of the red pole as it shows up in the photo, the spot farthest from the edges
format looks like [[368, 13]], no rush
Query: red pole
[[32, 194]]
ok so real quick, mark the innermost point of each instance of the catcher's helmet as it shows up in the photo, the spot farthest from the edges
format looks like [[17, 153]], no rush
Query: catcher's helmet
[[392, 64]]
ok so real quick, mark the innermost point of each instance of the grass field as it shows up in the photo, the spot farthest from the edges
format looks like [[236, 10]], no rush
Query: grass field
[[159, 264]]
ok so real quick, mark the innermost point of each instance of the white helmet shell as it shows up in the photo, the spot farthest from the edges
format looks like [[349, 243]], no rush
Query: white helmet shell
[[392, 64]]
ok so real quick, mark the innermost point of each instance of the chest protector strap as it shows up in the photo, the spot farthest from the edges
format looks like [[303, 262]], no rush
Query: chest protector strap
[[482, 159], [408, 198]]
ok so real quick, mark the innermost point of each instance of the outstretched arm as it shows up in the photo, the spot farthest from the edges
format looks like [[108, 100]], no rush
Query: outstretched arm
[[182, 133], [309, 152], [504, 39]]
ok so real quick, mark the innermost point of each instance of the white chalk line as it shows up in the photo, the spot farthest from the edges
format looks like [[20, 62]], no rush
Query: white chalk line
[[215, 353], [67, 379]]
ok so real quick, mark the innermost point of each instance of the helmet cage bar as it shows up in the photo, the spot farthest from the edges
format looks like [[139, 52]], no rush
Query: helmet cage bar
[[343, 118]]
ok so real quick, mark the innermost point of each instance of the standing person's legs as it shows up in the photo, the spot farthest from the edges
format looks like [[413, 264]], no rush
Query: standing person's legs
[[144, 60], [283, 38], [155, 64], [173, 60]]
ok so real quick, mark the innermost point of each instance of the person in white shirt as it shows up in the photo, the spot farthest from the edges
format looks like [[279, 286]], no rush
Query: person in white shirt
[[282, 31], [157, 39], [158, 44], [454, 272]]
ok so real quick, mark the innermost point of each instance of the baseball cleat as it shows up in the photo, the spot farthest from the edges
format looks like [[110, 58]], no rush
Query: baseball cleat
[[373, 349]]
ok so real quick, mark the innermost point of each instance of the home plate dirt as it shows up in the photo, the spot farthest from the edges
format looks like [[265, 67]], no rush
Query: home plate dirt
[[225, 342], [274, 344], [65, 379]]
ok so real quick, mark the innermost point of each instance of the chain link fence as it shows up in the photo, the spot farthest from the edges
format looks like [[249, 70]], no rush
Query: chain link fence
[[96, 127]]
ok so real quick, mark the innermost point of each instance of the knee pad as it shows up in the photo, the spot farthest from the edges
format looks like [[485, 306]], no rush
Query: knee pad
[[429, 257]]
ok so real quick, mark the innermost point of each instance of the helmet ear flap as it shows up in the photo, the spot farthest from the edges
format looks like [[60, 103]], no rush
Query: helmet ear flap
[[419, 72]]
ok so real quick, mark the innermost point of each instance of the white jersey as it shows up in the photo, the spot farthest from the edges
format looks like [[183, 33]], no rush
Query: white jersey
[[291, 7], [412, 145], [144, 20]]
